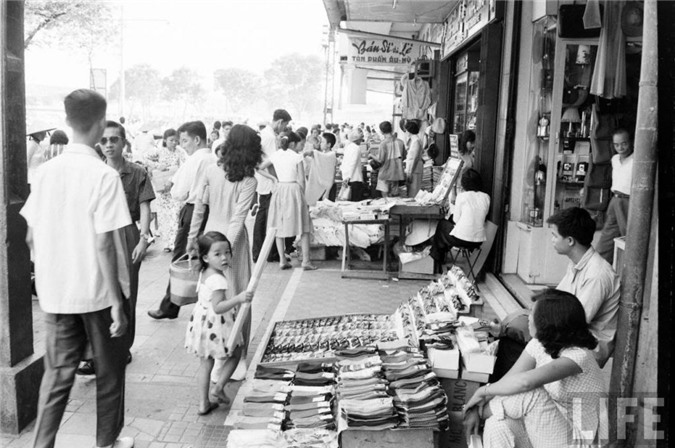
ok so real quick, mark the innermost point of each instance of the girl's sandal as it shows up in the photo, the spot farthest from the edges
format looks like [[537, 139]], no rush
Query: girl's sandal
[[285, 266], [309, 267], [221, 398], [208, 410]]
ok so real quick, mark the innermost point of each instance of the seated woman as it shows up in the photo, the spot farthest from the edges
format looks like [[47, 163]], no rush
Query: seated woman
[[552, 396], [466, 226]]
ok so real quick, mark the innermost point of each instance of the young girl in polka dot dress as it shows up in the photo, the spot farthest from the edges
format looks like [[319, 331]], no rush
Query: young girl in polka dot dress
[[213, 318]]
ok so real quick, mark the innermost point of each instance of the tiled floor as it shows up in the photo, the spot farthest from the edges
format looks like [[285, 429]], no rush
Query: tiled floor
[[161, 398]]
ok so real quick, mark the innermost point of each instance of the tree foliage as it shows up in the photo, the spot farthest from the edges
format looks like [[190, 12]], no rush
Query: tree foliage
[[183, 84], [142, 82], [76, 24], [296, 80], [241, 87]]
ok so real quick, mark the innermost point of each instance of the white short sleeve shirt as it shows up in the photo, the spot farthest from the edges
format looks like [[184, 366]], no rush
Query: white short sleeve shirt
[[73, 198]]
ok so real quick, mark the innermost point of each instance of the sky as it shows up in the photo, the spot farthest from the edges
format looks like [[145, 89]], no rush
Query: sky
[[202, 34]]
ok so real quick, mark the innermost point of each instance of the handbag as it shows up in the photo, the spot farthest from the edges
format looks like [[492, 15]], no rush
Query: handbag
[[345, 193], [184, 275]]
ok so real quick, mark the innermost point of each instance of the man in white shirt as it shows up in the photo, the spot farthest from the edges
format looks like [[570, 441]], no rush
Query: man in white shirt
[[192, 136], [617, 210], [589, 277], [352, 168], [268, 141], [83, 298]]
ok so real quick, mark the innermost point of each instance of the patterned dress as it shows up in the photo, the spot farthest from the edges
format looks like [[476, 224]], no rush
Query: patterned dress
[[208, 332], [167, 207]]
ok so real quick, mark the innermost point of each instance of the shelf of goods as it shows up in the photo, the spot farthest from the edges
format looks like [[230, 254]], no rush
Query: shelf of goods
[[334, 380]]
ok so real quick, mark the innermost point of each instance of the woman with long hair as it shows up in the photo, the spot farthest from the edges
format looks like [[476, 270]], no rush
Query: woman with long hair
[[552, 396], [228, 189]]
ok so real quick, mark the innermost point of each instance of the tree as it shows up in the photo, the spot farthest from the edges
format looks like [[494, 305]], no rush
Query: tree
[[240, 86], [183, 84], [296, 80], [142, 84], [71, 23]]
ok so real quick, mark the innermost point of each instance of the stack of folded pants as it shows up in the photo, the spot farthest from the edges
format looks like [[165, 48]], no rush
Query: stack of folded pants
[[362, 391], [264, 403], [310, 403], [418, 396]]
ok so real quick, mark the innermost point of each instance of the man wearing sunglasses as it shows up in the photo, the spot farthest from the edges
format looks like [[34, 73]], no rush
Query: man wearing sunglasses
[[138, 191], [75, 214]]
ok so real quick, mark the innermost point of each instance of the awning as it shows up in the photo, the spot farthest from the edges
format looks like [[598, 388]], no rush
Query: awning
[[395, 11]]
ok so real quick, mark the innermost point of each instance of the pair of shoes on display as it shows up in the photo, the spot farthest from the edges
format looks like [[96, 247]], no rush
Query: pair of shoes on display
[[159, 314], [86, 367]]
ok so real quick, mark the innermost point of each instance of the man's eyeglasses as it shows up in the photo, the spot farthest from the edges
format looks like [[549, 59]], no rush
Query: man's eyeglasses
[[114, 140]]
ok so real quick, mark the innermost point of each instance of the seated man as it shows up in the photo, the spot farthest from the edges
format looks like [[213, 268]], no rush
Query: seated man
[[588, 276]]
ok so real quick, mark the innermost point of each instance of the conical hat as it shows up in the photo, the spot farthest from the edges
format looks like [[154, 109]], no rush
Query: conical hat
[[37, 127]]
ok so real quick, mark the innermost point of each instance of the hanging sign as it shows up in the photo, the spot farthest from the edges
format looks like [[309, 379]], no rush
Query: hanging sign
[[373, 50], [466, 20]]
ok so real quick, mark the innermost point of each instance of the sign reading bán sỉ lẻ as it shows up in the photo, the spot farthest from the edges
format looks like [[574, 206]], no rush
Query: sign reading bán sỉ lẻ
[[381, 51]]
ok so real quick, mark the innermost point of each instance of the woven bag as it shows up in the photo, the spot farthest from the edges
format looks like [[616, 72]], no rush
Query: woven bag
[[184, 275]]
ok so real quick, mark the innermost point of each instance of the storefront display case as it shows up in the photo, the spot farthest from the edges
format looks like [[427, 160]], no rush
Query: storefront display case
[[465, 104]]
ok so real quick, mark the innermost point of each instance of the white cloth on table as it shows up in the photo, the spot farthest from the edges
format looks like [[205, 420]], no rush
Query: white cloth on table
[[74, 198]]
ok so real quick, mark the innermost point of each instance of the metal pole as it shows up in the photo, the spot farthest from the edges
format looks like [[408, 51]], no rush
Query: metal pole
[[634, 272], [122, 81]]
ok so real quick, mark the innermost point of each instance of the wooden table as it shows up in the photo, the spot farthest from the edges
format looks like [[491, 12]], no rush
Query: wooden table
[[346, 255]]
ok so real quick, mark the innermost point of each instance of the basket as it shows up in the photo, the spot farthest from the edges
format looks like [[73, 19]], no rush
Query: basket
[[184, 275]]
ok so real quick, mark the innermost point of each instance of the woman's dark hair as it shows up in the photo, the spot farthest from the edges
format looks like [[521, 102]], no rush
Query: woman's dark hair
[[171, 132], [574, 222], [240, 153], [288, 137], [467, 136], [205, 241], [302, 132], [58, 137], [385, 127], [401, 124], [471, 180], [560, 322], [412, 127]]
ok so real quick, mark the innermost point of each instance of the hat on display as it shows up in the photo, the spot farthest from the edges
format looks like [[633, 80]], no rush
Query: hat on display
[[438, 126], [420, 231], [37, 127], [355, 134]]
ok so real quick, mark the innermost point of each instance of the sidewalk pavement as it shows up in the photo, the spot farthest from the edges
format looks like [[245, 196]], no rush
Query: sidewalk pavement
[[161, 395]]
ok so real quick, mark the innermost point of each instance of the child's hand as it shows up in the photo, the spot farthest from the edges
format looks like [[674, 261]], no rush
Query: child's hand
[[246, 297]]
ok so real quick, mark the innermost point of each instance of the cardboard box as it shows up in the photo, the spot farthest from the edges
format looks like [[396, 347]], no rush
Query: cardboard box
[[446, 373], [459, 392], [479, 362], [423, 265], [444, 359]]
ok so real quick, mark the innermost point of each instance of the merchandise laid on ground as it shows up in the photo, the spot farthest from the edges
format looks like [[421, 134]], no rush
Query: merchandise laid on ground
[[325, 382]]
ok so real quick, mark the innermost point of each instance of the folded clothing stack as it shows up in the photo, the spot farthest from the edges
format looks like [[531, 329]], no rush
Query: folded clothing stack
[[310, 403], [264, 405], [418, 396], [362, 391]]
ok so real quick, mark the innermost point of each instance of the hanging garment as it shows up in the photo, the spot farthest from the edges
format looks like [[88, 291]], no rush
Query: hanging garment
[[609, 74], [321, 175], [416, 98]]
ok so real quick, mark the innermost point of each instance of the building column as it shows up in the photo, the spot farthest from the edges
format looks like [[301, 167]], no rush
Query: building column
[[20, 369]]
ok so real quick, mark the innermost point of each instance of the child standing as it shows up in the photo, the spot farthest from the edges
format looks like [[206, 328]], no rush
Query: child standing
[[289, 212], [213, 318]]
